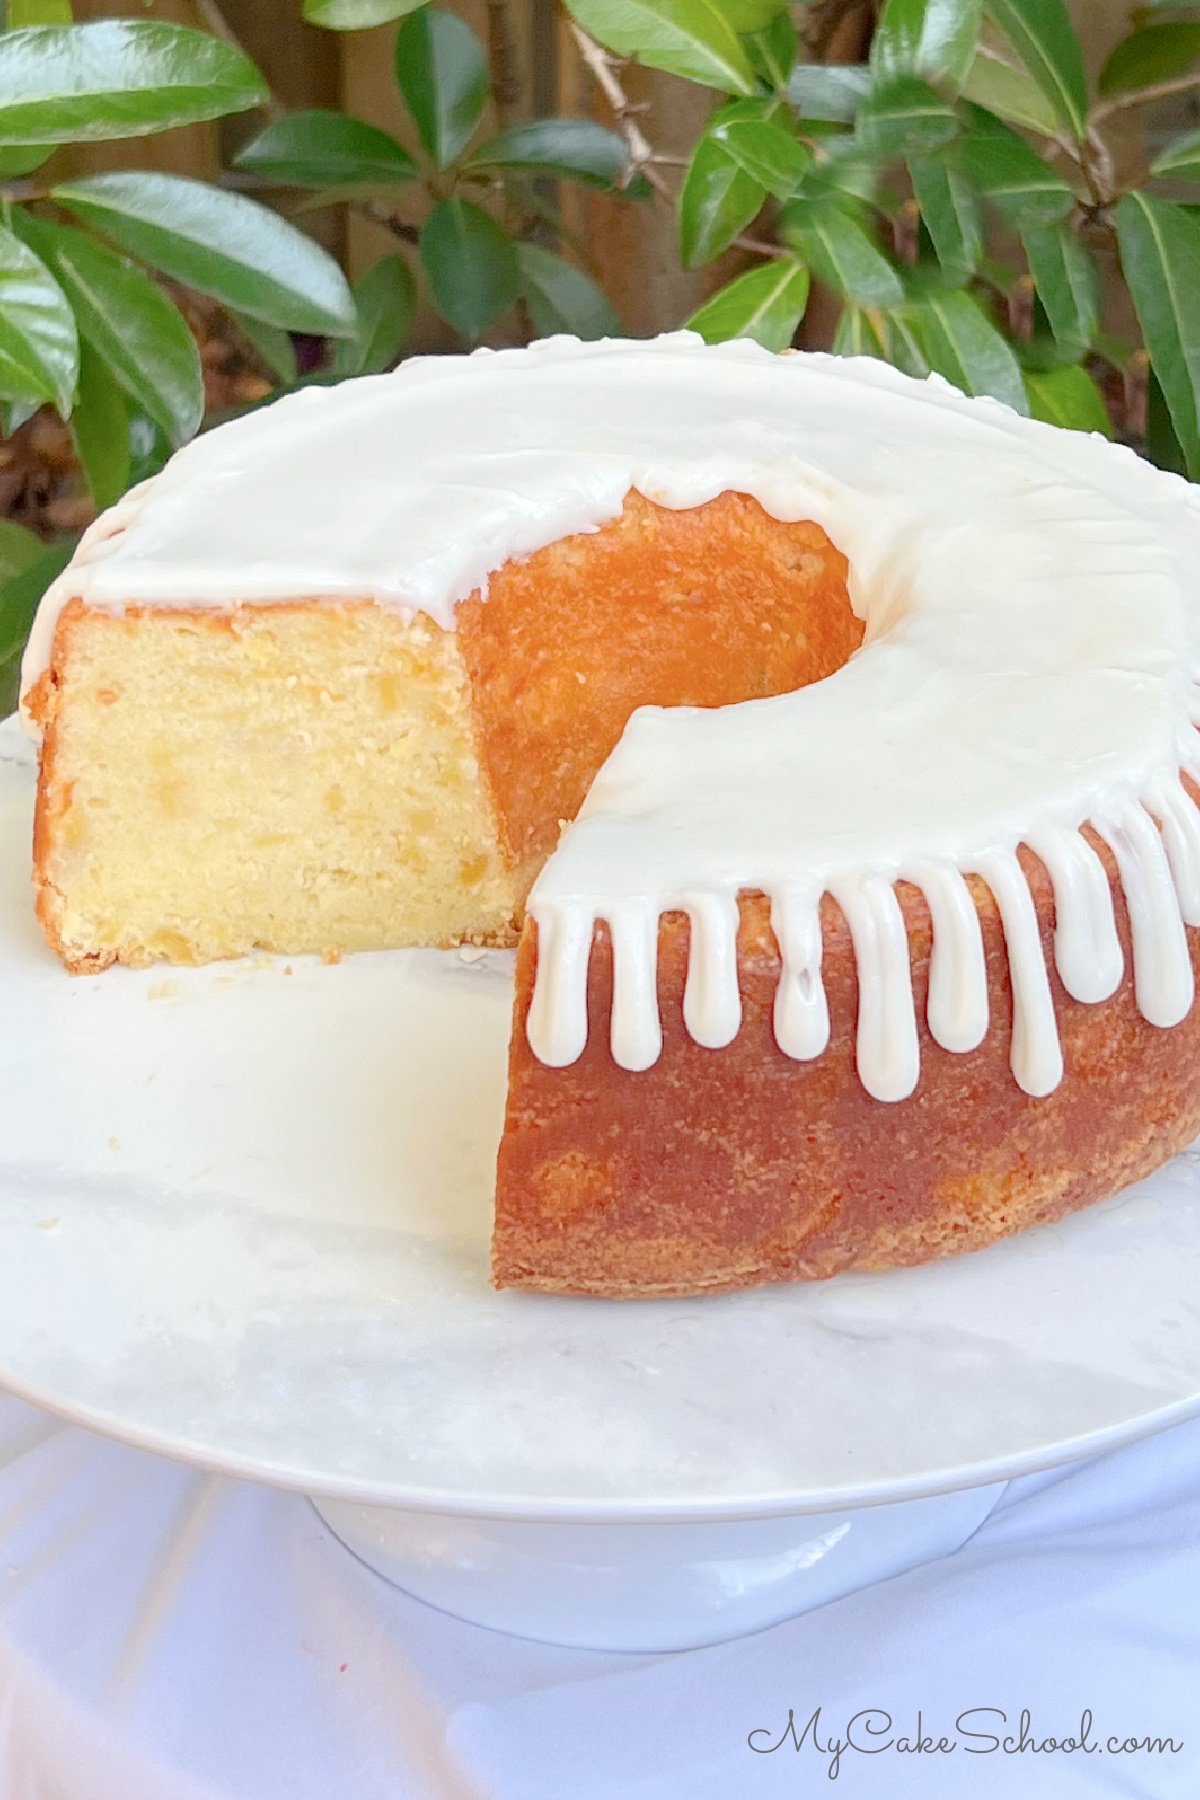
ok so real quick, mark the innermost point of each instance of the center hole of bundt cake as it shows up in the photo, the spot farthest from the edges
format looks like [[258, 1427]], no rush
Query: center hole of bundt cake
[[699, 607]]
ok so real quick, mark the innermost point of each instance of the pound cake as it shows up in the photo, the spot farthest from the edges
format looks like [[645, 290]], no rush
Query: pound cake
[[827, 738]]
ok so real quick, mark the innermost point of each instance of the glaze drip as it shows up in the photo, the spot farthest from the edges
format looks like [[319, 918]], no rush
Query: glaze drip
[[1087, 950], [957, 1008], [712, 1000], [635, 1036], [1179, 822], [886, 1047], [1162, 968], [801, 1014], [1037, 1064]]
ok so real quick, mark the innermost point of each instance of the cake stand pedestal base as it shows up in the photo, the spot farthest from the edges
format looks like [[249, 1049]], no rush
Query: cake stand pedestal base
[[651, 1586]]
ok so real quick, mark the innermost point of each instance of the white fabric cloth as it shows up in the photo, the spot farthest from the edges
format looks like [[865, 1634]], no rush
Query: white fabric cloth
[[168, 1635]]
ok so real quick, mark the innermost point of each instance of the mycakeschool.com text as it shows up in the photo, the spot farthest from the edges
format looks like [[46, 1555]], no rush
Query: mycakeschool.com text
[[977, 1731]]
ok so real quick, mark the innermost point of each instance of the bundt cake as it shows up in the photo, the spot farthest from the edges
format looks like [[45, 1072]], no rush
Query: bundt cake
[[867, 714]]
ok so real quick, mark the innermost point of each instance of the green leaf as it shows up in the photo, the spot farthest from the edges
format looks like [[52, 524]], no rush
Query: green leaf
[[950, 213], [443, 76], [324, 149], [38, 12], [1161, 444], [717, 200], [829, 90], [1020, 184], [22, 159], [694, 38], [1156, 53], [100, 426], [575, 148], [904, 348], [1064, 274], [766, 303], [126, 316], [1115, 349], [117, 78], [858, 333], [936, 38], [274, 347], [959, 341], [845, 171], [219, 243], [840, 253], [1010, 92], [39, 347], [1041, 33], [354, 192], [19, 550], [471, 265], [771, 158], [772, 51], [385, 300], [1159, 245], [356, 15], [19, 597], [750, 15], [903, 115], [149, 446], [560, 297], [1069, 397], [979, 122], [1181, 157]]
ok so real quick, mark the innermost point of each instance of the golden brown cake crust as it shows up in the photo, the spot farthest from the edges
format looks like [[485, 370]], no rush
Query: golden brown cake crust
[[703, 607], [724, 1169], [53, 797]]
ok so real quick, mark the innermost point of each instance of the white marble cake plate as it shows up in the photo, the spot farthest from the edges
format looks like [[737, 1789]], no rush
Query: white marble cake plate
[[244, 1219]]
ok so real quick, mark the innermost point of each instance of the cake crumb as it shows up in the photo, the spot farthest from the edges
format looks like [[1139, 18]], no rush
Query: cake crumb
[[49, 1224], [471, 953], [161, 990], [331, 957], [114, 1143]]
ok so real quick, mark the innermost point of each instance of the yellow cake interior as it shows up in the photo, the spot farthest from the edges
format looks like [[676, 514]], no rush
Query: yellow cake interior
[[295, 778]]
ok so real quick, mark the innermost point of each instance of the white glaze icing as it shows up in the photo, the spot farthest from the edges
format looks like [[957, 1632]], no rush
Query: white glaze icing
[[957, 1008], [801, 1012], [1032, 609]]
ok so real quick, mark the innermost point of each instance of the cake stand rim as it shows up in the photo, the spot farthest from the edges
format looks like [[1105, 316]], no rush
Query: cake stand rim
[[575, 1510]]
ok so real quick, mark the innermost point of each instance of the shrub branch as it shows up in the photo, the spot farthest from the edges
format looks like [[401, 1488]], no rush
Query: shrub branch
[[642, 158]]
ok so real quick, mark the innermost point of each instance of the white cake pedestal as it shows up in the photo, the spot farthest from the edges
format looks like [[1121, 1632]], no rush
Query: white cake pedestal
[[651, 1587]]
